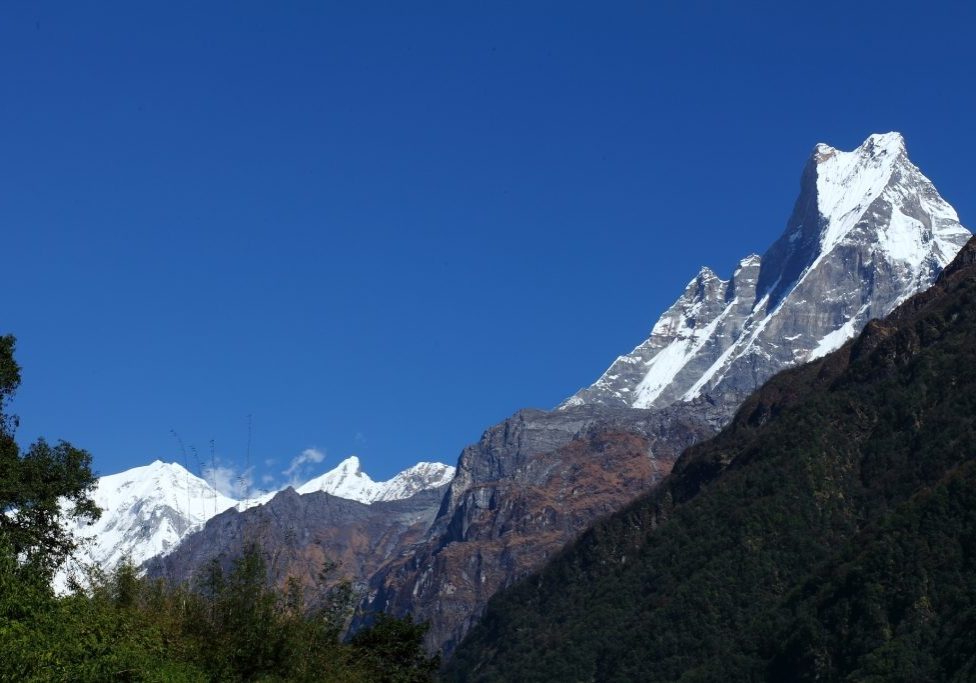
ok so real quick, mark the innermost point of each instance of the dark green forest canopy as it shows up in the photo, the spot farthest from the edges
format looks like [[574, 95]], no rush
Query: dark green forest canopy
[[829, 533]]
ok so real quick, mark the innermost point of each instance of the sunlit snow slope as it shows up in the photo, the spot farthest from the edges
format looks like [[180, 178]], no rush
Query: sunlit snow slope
[[146, 511], [349, 481]]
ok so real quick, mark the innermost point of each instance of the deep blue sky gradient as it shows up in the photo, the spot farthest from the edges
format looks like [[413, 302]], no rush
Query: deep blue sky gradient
[[380, 228]]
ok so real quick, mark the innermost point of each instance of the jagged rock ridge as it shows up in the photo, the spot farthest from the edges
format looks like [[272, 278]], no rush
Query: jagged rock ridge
[[868, 230]]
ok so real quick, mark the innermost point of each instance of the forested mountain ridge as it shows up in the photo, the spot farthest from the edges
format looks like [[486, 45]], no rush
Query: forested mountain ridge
[[828, 533]]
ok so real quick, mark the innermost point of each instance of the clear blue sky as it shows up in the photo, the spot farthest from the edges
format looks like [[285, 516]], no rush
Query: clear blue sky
[[379, 230]]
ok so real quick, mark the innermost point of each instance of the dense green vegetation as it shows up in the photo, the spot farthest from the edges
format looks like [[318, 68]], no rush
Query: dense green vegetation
[[232, 626], [126, 628], [829, 533], [236, 629]]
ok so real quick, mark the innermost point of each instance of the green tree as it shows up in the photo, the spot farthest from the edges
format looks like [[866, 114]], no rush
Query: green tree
[[39, 487], [393, 651]]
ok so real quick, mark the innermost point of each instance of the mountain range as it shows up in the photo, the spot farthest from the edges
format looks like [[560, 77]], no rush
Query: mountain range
[[827, 534], [867, 232], [535, 481], [147, 511]]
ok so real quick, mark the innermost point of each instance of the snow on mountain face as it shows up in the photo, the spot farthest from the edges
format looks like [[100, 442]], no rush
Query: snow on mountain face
[[867, 231], [348, 480], [413, 480], [146, 511]]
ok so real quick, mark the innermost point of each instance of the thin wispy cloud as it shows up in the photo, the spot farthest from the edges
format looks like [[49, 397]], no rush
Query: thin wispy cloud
[[299, 465], [228, 481]]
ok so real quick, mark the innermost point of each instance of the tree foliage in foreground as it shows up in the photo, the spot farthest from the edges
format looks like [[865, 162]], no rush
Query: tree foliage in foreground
[[124, 627], [39, 486]]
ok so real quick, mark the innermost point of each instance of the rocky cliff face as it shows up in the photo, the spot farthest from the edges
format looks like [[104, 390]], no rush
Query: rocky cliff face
[[868, 230], [529, 486]]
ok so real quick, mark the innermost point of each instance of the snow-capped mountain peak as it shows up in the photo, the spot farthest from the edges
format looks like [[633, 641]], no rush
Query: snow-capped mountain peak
[[413, 480], [849, 182], [167, 498], [146, 511], [347, 480], [868, 230]]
